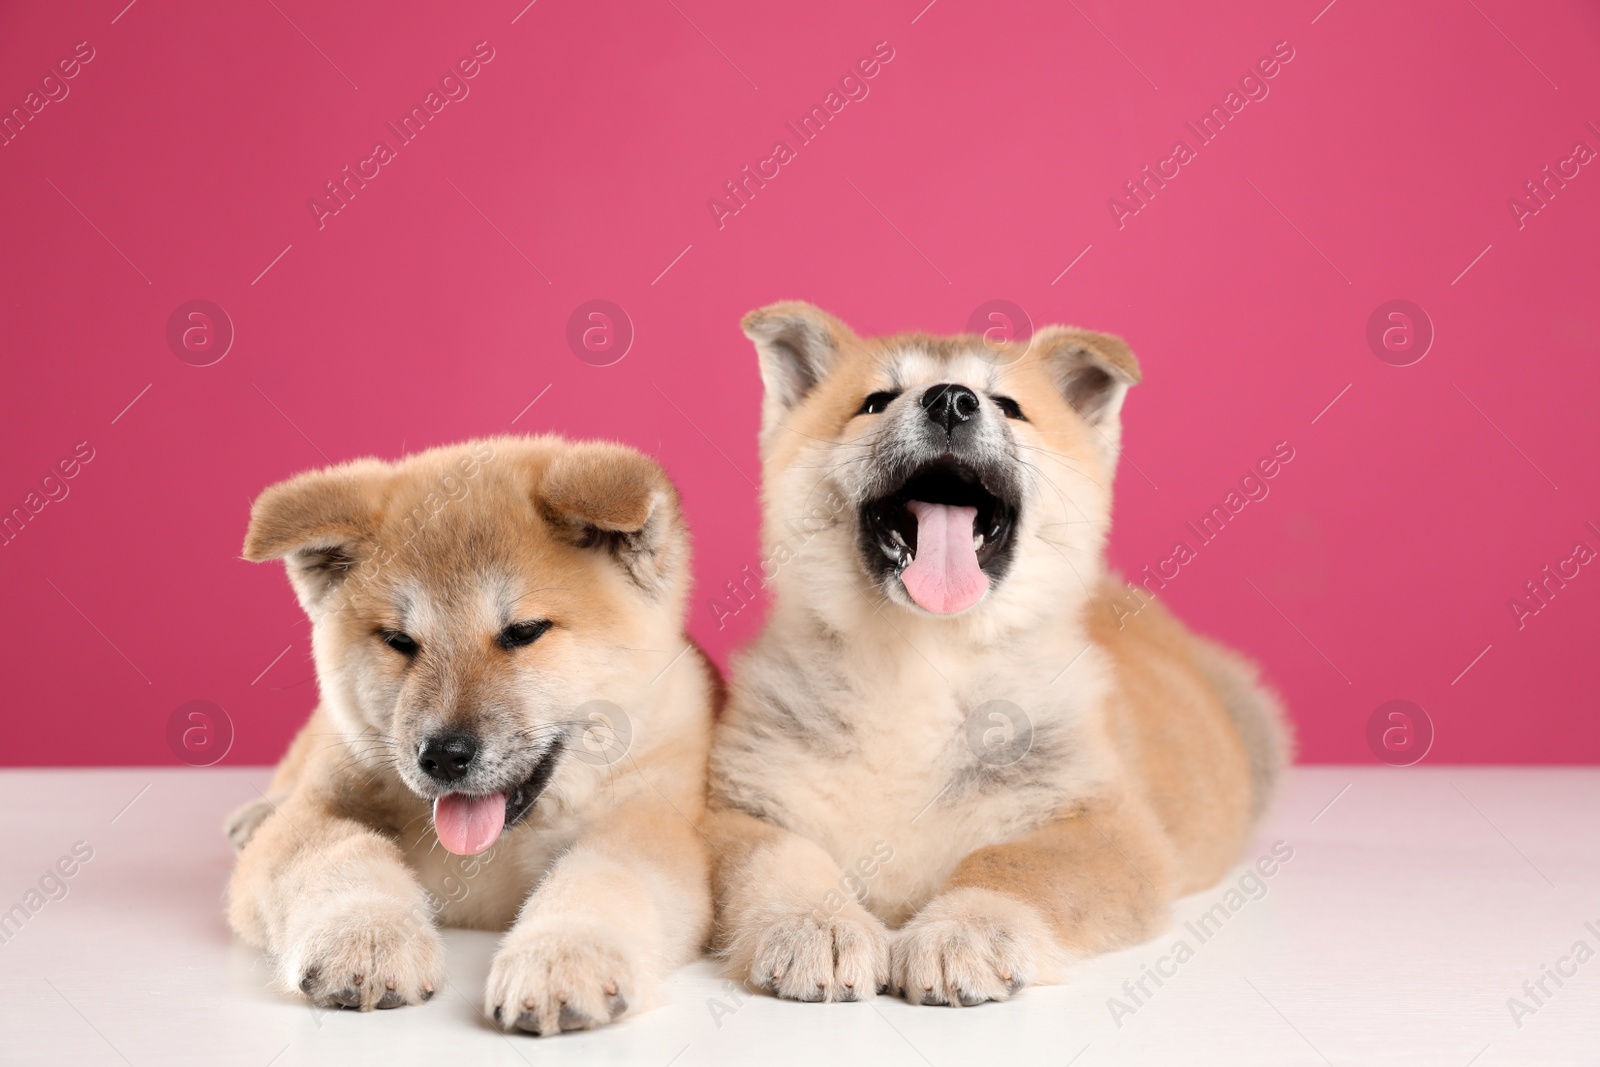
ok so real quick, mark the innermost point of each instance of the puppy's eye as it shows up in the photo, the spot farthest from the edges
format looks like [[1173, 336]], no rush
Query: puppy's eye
[[1010, 408], [519, 634], [876, 403], [402, 643]]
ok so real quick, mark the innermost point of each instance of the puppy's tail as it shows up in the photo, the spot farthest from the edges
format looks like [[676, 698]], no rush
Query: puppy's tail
[[1257, 715]]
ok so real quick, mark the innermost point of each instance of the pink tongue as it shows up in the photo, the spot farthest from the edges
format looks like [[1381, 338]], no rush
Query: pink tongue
[[944, 576], [468, 825]]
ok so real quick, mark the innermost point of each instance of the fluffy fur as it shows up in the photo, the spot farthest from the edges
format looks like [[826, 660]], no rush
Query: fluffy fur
[[954, 805], [340, 877]]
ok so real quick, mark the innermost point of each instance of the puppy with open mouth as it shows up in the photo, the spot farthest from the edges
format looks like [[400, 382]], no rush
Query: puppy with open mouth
[[505, 704], [947, 767]]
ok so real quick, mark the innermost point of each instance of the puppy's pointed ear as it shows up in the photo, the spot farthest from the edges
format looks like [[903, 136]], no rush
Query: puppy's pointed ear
[[797, 344], [1092, 370], [612, 499], [320, 523]]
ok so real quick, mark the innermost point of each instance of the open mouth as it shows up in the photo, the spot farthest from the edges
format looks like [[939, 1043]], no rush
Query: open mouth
[[468, 823], [946, 533]]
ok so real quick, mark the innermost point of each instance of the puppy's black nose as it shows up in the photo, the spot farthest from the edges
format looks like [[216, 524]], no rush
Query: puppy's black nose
[[447, 758], [950, 405]]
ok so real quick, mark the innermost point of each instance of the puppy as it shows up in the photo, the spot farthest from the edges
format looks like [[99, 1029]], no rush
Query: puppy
[[946, 728], [506, 703]]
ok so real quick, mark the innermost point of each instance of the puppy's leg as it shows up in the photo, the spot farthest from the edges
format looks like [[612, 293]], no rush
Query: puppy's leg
[[626, 904], [785, 922], [1015, 912], [244, 819], [336, 907]]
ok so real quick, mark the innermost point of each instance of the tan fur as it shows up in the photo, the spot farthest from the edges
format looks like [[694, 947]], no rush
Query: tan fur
[[340, 876], [861, 839]]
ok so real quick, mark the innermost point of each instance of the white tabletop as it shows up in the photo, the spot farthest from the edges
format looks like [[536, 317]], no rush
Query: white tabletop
[[1416, 904]]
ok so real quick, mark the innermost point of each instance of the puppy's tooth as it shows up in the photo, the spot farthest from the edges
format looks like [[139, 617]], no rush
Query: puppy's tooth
[[611, 989], [530, 1003]]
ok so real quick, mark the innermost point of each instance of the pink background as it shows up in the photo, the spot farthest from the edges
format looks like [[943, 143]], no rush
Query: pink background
[[1381, 566]]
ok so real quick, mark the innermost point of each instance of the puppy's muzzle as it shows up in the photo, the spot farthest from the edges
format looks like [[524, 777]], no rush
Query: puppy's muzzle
[[447, 758], [950, 406]]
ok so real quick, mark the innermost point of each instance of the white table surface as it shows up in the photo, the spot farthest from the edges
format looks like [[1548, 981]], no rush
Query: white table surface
[[1417, 902]]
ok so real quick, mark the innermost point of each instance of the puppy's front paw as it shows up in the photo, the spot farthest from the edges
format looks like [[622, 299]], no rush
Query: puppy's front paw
[[243, 820], [374, 956], [968, 946], [814, 956], [544, 981]]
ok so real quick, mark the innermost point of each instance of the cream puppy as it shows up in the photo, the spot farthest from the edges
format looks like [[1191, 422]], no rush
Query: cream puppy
[[947, 767], [508, 737]]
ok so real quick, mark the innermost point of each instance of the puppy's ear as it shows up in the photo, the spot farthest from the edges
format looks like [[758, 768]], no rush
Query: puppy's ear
[[797, 344], [610, 498], [320, 523], [1092, 370]]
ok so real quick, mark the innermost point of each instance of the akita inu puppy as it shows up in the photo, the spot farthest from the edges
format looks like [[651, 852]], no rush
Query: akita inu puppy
[[945, 729], [498, 635]]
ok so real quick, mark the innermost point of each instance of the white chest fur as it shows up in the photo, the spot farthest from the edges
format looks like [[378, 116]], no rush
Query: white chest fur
[[901, 770]]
